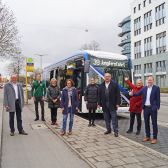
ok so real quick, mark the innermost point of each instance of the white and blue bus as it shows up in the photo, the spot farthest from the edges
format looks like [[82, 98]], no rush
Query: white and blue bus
[[83, 65]]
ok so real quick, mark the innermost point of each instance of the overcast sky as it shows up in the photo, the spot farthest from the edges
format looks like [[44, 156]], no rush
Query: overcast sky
[[57, 27]]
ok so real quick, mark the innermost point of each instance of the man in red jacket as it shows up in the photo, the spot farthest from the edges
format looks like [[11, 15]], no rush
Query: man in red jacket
[[135, 105]]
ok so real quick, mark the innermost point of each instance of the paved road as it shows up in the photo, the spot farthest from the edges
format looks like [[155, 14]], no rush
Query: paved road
[[40, 149]]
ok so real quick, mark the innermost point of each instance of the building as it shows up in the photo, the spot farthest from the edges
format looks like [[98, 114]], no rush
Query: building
[[149, 44], [125, 36]]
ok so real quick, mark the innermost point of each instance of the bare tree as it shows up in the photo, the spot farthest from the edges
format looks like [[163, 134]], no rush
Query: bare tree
[[16, 65], [93, 45], [8, 33]]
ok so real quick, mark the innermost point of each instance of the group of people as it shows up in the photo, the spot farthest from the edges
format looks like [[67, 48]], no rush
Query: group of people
[[106, 95]]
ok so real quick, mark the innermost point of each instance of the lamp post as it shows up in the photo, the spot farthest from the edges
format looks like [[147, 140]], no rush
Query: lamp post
[[41, 60]]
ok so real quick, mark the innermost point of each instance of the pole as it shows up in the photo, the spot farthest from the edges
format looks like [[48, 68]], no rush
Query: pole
[[26, 84]]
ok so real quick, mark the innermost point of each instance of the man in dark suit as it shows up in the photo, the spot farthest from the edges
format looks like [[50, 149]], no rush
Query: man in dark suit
[[150, 105], [109, 100]]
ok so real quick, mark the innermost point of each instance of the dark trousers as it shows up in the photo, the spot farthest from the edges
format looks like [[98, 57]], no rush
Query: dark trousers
[[36, 102], [18, 117], [53, 115], [92, 113], [132, 118], [148, 112], [111, 116]]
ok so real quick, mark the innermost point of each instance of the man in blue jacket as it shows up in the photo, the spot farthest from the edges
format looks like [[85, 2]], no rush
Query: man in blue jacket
[[150, 105]]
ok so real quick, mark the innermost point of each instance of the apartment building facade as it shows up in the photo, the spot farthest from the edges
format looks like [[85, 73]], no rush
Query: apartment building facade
[[149, 42]]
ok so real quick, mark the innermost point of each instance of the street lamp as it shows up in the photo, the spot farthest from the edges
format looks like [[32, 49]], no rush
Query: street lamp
[[41, 60]]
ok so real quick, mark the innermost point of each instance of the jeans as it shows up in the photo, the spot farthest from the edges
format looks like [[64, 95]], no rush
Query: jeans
[[132, 118], [92, 115], [148, 112], [36, 102], [111, 116], [53, 115], [18, 117], [71, 117]]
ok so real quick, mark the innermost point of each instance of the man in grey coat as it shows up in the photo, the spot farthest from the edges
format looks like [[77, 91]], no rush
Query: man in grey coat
[[13, 103]]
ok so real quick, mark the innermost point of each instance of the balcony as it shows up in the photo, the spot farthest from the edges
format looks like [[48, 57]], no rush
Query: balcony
[[127, 19], [123, 42]]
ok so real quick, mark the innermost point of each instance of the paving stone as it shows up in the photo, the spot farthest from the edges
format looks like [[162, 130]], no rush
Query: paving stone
[[113, 146], [89, 154], [143, 158], [102, 165], [128, 154], [114, 150], [133, 166], [77, 146], [102, 152], [102, 158], [90, 149], [126, 149], [116, 162], [130, 160], [148, 164], [160, 162]]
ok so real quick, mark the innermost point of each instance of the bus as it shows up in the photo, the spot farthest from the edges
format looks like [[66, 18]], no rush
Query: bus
[[85, 64]]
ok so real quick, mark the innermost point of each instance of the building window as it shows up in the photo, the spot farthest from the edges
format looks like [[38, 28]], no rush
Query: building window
[[137, 49], [144, 3], [139, 7], [148, 68], [161, 42], [137, 26], [134, 9], [161, 81], [137, 69], [161, 66], [160, 14], [148, 46], [148, 21]]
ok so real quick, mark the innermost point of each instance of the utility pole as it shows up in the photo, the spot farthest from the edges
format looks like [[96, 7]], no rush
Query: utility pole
[[41, 62]]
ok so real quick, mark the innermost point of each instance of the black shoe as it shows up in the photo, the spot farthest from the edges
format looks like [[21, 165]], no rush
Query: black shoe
[[107, 132], [138, 132], [12, 134], [43, 119], [89, 125], [129, 131], [23, 133], [36, 119], [116, 134], [93, 124]]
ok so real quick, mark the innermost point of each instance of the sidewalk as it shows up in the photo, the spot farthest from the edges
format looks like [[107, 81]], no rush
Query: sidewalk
[[1, 110], [40, 149], [106, 151]]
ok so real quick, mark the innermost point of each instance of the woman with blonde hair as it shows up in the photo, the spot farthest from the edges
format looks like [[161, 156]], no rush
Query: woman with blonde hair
[[53, 95]]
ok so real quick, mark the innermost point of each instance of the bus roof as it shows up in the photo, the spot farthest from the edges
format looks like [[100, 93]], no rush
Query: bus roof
[[99, 54], [107, 55]]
